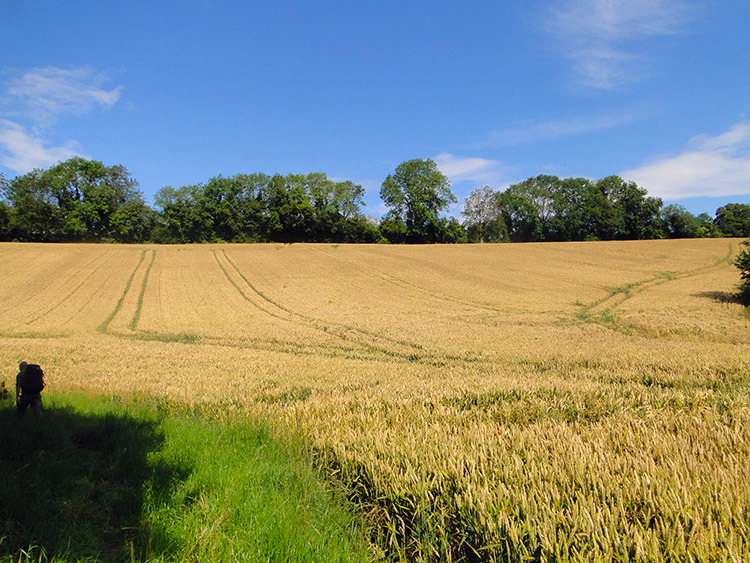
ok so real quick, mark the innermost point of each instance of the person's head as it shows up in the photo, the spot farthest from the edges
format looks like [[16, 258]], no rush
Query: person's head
[[22, 366]]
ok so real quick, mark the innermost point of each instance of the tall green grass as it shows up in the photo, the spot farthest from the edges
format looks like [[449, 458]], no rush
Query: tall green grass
[[98, 480]]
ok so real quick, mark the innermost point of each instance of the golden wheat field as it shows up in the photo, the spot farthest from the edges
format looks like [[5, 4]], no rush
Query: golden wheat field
[[512, 402]]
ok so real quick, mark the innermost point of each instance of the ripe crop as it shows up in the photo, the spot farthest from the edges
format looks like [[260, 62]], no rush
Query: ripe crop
[[556, 402]]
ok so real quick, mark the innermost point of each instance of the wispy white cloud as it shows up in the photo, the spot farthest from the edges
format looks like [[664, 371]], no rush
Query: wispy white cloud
[[24, 151], [710, 166], [31, 104], [479, 170], [604, 39], [46, 93], [530, 131]]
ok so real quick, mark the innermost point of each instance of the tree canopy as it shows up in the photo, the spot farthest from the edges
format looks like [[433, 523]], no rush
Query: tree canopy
[[76, 200], [483, 217], [743, 265], [258, 207], [416, 193], [546, 208], [84, 200], [733, 219]]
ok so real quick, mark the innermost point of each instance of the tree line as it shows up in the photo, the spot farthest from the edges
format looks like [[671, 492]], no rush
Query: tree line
[[547, 208], [83, 200], [742, 262]]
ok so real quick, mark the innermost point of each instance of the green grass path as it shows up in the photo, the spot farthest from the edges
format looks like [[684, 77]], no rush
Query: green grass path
[[97, 480]]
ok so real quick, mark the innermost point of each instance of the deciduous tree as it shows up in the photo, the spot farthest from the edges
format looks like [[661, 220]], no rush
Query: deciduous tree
[[678, 222], [743, 264], [74, 200], [636, 215], [483, 217], [733, 219], [416, 193]]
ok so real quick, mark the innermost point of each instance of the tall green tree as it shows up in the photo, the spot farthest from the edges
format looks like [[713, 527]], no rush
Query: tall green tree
[[678, 222], [733, 219], [520, 216], [256, 207], [230, 207], [180, 217], [74, 200], [5, 212], [416, 193], [222, 209], [574, 201], [545, 208], [636, 216], [132, 222], [36, 216], [288, 211], [743, 264], [483, 217], [541, 193], [335, 205], [708, 226]]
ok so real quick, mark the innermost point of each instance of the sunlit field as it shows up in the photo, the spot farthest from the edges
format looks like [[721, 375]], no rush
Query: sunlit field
[[548, 402]]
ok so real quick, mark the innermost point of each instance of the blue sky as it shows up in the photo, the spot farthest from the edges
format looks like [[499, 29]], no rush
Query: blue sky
[[657, 91]]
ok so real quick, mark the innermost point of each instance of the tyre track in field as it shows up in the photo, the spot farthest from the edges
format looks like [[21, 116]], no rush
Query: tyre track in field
[[372, 343], [133, 324], [438, 296], [601, 311], [400, 282], [70, 278], [365, 352], [103, 328], [62, 301]]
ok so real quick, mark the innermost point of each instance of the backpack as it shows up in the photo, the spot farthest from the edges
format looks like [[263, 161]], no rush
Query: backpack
[[33, 379]]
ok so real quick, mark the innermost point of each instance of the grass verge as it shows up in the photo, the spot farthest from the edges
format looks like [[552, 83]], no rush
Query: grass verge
[[98, 480]]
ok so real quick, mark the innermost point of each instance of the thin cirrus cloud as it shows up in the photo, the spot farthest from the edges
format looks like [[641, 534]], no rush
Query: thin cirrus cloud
[[32, 104], [478, 170], [531, 131], [710, 166], [604, 40], [46, 93]]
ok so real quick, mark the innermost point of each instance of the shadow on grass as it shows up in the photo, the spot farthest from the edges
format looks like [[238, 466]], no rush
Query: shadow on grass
[[73, 486]]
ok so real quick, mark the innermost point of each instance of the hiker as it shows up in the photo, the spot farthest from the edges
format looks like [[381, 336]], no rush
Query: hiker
[[29, 385]]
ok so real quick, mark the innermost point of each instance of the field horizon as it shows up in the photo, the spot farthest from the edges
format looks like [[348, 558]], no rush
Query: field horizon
[[548, 401]]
